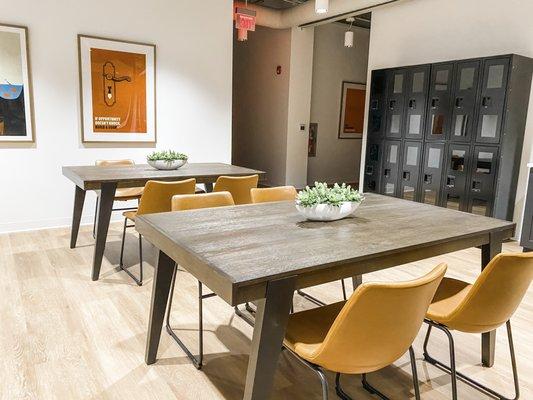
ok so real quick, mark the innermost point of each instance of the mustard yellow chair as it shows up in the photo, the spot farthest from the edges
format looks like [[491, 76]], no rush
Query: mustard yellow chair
[[238, 186], [184, 203], [156, 198], [479, 308], [121, 194], [279, 193], [370, 331]]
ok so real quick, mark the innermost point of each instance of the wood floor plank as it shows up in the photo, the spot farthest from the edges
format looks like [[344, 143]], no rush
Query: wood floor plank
[[63, 336]]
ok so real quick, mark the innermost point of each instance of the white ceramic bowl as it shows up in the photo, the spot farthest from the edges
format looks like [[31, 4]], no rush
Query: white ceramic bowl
[[167, 165], [327, 212]]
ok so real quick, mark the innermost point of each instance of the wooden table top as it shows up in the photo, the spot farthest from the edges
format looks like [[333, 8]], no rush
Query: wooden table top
[[91, 177], [235, 251]]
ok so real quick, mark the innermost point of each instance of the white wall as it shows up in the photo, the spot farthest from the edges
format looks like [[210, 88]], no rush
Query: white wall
[[261, 102], [299, 105], [427, 31], [194, 79], [337, 160]]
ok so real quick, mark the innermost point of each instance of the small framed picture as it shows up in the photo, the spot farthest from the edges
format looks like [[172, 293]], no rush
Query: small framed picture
[[16, 108], [352, 113], [117, 89]]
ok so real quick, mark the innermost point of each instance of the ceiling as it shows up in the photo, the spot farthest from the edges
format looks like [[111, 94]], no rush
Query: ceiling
[[277, 4]]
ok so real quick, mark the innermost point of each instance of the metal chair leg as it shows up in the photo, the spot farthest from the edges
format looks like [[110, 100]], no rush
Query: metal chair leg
[[344, 290], [338, 388], [196, 361], [469, 381], [414, 372], [371, 389], [139, 282]]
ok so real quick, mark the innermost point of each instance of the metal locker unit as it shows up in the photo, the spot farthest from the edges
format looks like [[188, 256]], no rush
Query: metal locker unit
[[464, 97], [390, 168], [373, 162], [416, 97], [410, 171], [377, 112], [457, 165], [395, 103], [439, 104], [482, 182], [431, 180]]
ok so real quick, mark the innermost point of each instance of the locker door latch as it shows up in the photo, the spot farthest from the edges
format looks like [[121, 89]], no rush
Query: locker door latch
[[487, 101], [406, 175], [435, 102], [428, 178], [450, 181], [412, 103], [459, 102], [392, 104], [476, 186], [387, 172]]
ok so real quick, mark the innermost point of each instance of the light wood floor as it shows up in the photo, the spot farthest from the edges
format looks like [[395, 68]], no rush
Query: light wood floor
[[63, 336]]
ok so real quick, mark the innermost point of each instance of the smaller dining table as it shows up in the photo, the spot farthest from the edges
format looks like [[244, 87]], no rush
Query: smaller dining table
[[262, 253], [107, 179]]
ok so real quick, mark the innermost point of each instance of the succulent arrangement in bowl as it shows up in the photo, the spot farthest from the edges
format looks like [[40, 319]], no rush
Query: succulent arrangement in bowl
[[166, 159], [323, 203]]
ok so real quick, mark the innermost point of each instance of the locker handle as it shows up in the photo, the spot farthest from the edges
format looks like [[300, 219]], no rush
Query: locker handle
[[386, 172], [450, 182], [392, 104], [406, 175], [476, 186], [374, 105], [459, 102], [428, 178], [487, 101], [412, 103], [434, 102]]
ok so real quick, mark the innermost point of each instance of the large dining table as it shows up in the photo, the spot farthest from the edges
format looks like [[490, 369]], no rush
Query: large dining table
[[262, 253], [107, 179]]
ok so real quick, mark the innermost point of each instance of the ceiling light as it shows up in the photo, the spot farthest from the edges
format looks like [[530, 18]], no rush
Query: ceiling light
[[348, 35], [321, 6]]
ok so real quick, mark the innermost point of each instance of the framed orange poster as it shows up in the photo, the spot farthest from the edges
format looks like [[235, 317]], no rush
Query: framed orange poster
[[117, 88], [352, 113]]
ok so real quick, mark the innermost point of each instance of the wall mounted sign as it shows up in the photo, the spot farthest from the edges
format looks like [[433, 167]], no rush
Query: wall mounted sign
[[16, 121], [352, 113], [244, 21], [117, 88], [313, 134]]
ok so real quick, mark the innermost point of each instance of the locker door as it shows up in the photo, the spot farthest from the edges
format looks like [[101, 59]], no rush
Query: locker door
[[410, 172], [376, 115], [464, 100], [373, 166], [482, 183], [454, 193], [416, 94], [431, 181], [491, 106], [395, 102], [389, 175], [439, 104]]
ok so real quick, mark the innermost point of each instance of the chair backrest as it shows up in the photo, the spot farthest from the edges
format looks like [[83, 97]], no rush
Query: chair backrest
[[238, 186], [114, 163], [496, 294], [184, 202], [280, 193], [377, 324], [157, 196]]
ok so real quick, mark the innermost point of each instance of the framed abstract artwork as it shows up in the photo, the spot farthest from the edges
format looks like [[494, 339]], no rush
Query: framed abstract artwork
[[16, 113], [117, 89], [352, 113]]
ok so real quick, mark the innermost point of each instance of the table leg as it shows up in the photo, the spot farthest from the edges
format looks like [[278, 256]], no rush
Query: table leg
[[107, 196], [79, 199], [269, 330], [488, 340], [160, 292], [208, 187], [356, 281]]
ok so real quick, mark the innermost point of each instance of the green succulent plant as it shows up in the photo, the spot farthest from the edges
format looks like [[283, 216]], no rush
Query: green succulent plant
[[322, 194], [166, 155]]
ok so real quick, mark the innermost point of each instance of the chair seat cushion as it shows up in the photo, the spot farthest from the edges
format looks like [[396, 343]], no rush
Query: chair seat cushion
[[450, 294], [306, 330], [130, 214], [124, 194]]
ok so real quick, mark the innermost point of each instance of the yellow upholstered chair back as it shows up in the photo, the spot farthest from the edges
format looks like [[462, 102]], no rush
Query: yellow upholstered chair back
[[114, 163], [280, 193], [377, 325], [205, 200], [496, 294], [157, 196], [238, 186]]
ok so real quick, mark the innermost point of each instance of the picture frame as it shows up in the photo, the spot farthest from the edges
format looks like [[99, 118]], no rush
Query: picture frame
[[17, 123], [117, 90], [352, 113]]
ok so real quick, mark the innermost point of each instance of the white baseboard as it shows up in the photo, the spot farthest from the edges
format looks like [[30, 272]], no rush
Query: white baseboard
[[22, 226]]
